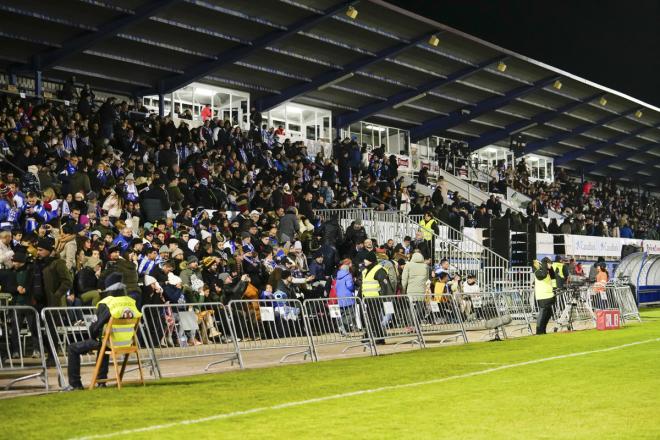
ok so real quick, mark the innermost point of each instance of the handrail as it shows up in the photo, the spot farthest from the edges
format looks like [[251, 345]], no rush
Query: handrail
[[460, 236]]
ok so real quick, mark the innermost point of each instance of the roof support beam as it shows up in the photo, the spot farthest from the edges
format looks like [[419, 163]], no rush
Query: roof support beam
[[538, 145], [77, 44], [334, 75], [443, 123], [575, 154], [234, 54], [632, 170], [497, 135], [399, 99], [620, 157]]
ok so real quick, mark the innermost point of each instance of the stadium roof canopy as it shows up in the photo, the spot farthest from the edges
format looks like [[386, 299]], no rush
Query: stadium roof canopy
[[378, 67]]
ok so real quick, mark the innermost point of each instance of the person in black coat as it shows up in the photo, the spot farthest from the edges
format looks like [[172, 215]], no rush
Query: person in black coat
[[154, 202]]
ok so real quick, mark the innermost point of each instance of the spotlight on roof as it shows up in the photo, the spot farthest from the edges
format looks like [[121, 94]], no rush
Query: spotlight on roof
[[501, 66], [351, 13], [639, 114], [603, 101], [557, 85], [434, 41]]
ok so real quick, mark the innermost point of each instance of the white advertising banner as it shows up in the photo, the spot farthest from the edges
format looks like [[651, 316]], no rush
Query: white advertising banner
[[596, 246], [545, 244], [651, 246]]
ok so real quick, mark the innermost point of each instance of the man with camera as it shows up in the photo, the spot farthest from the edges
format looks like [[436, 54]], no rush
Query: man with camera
[[544, 280]]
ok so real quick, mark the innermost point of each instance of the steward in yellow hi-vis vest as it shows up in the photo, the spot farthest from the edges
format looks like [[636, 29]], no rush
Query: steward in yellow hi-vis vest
[[429, 227], [375, 285], [561, 272], [115, 305], [544, 282]]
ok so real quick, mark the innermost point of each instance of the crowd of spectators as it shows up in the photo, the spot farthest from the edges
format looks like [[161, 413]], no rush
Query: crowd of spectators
[[92, 195], [602, 208]]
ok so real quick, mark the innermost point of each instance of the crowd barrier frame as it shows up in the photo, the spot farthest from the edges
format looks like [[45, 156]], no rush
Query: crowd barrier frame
[[68, 325], [207, 324], [391, 317], [337, 321], [228, 332], [13, 335], [280, 325]]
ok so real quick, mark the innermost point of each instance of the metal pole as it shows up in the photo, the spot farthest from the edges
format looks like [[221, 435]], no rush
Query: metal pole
[[38, 83], [161, 105]]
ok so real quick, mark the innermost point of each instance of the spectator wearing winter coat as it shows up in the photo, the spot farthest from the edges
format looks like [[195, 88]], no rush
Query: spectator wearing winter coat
[[289, 225], [415, 275], [345, 286]]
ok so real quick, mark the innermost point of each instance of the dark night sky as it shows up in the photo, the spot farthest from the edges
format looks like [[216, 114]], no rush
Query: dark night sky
[[615, 43]]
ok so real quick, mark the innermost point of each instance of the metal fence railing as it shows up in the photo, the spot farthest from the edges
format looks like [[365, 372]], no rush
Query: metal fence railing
[[68, 325], [185, 331], [463, 251], [439, 317], [267, 331], [270, 325], [21, 346], [336, 324], [392, 318]]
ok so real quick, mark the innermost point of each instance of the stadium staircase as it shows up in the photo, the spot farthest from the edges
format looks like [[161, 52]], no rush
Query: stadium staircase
[[464, 253]]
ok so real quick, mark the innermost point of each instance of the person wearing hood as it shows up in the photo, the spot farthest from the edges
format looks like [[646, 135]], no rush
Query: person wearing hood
[[193, 246], [545, 295], [345, 289], [415, 276]]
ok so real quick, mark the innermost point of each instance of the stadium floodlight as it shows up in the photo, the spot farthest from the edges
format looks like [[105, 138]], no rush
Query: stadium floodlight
[[336, 81], [204, 92], [639, 114], [375, 128], [557, 85], [293, 109], [351, 13], [603, 101], [409, 100], [434, 41], [501, 66]]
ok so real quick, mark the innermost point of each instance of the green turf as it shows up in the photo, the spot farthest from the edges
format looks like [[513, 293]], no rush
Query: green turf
[[607, 395]]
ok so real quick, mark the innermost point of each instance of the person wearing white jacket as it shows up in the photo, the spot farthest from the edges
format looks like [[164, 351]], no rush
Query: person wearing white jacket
[[467, 302]]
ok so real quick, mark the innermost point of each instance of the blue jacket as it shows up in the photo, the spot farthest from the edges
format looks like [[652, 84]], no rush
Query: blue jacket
[[122, 242], [345, 288], [626, 232]]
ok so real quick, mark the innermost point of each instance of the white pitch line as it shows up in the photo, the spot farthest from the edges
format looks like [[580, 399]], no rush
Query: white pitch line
[[356, 393]]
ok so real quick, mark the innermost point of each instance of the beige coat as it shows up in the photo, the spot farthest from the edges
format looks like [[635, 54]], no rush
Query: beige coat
[[415, 275]]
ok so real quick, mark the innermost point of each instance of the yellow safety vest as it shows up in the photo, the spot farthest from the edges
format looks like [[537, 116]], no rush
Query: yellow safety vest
[[122, 335], [558, 268], [370, 285], [543, 288], [427, 228]]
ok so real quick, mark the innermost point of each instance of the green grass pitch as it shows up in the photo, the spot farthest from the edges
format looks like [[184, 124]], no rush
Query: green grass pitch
[[604, 394]]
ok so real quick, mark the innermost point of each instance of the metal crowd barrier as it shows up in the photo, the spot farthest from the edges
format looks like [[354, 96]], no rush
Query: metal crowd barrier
[[440, 316], [624, 299], [519, 305], [573, 306], [184, 331], [521, 277], [68, 325], [270, 325], [392, 318], [484, 316], [21, 347], [336, 322]]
